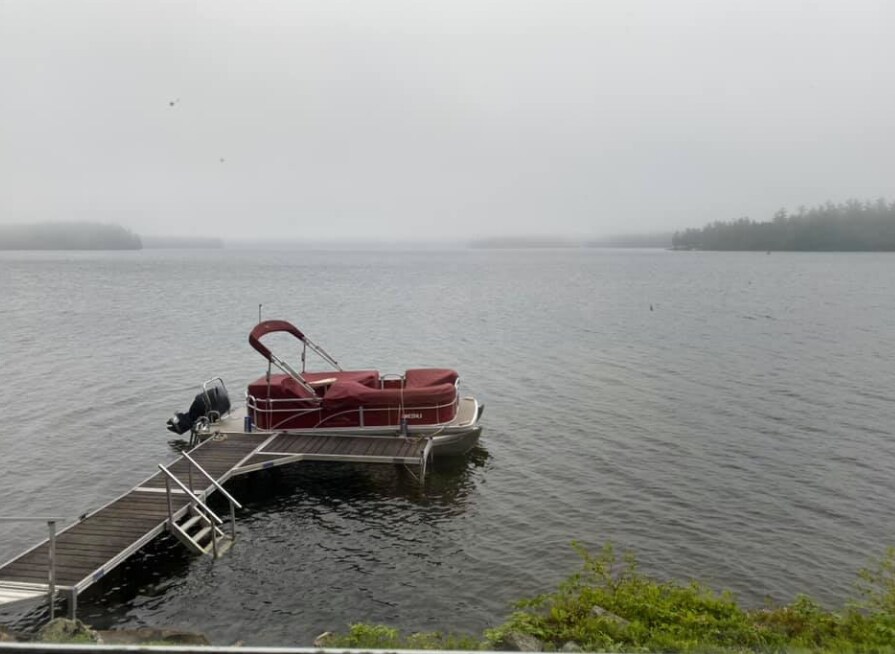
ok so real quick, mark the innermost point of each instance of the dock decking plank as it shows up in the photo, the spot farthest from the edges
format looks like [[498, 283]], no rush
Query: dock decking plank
[[369, 443], [105, 523], [284, 443], [323, 447], [40, 569], [300, 444], [341, 446], [381, 448], [67, 559]]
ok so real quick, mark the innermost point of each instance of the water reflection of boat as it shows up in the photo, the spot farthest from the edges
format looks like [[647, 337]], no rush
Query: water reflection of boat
[[420, 403]]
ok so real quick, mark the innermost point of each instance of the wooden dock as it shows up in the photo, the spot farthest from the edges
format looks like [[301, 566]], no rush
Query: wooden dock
[[174, 500]]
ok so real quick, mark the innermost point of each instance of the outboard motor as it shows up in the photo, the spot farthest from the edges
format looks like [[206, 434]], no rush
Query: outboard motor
[[211, 403]]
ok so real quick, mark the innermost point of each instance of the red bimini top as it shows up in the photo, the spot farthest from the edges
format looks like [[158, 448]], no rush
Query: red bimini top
[[268, 326]]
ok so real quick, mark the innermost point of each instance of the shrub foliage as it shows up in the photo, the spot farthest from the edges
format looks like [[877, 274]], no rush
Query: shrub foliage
[[609, 605]]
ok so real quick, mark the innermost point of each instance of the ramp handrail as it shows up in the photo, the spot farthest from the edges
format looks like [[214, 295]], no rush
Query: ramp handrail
[[233, 503], [212, 480], [190, 494]]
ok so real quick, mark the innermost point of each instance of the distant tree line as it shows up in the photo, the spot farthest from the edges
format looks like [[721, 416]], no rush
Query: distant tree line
[[68, 236], [848, 227]]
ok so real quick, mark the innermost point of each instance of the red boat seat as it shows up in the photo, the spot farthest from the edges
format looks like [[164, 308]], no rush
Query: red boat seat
[[348, 394], [423, 377], [282, 386]]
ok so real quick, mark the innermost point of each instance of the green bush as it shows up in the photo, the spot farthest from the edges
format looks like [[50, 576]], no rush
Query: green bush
[[610, 606]]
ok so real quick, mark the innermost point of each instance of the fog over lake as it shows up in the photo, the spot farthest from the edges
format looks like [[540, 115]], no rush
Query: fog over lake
[[405, 120]]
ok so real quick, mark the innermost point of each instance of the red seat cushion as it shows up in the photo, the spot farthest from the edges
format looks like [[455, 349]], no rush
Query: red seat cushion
[[282, 386], [345, 395], [422, 377]]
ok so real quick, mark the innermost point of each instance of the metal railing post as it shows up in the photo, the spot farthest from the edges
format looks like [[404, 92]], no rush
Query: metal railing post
[[170, 507], [214, 540], [424, 460], [51, 525], [232, 522], [51, 554]]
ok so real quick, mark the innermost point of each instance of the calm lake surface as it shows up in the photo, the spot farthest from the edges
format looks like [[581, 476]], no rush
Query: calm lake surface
[[727, 416]]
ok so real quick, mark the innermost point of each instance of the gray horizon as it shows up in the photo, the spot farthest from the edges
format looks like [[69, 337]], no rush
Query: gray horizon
[[409, 121]]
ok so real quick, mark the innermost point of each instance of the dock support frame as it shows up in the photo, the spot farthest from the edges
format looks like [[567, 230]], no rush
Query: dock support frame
[[51, 572]]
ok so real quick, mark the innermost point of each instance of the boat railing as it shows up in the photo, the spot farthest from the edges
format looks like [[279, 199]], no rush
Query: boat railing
[[267, 406], [213, 416], [51, 552], [400, 411], [281, 410], [392, 376]]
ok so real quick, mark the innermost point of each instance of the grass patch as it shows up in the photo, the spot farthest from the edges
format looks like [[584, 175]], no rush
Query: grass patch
[[377, 636]]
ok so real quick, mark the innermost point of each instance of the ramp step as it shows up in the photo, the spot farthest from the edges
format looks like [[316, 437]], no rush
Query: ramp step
[[202, 535], [186, 526], [187, 540]]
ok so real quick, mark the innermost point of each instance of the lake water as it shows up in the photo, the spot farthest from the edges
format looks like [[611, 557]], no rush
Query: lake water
[[726, 416]]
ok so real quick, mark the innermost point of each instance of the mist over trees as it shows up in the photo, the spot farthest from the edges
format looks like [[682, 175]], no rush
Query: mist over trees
[[182, 242], [652, 240], [68, 236], [848, 227]]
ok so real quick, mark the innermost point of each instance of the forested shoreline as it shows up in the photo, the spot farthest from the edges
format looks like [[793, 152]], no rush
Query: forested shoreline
[[68, 236], [852, 226]]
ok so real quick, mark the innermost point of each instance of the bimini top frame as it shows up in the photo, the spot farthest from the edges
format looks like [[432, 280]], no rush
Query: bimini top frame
[[271, 326]]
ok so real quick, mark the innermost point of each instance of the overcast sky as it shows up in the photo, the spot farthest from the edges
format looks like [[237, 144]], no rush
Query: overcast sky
[[440, 119]]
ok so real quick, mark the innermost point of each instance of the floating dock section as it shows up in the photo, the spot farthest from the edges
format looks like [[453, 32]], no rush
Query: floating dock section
[[174, 500]]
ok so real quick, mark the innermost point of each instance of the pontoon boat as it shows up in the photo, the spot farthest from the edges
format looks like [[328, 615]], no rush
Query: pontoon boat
[[420, 403]]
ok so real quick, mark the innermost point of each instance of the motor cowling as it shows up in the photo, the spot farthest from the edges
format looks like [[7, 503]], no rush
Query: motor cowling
[[211, 403]]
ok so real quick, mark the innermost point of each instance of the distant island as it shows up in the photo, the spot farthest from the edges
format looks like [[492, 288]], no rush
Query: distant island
[[68, 236], [853, 226], [94, 236]]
